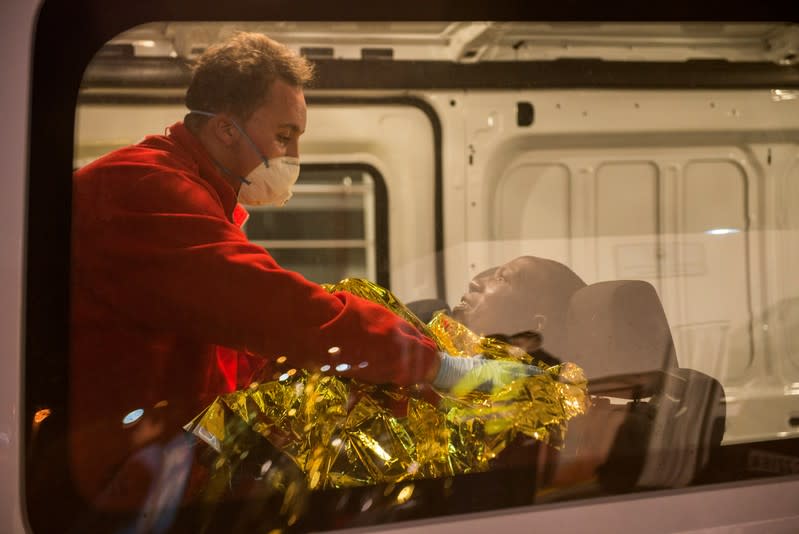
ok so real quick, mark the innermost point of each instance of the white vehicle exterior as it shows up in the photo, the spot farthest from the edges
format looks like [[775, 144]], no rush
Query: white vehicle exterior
[[480, 179]]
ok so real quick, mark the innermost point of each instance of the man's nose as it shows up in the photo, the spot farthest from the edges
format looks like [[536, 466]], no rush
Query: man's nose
[[475, 285]]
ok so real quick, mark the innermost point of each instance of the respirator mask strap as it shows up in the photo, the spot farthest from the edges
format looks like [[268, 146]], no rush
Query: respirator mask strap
[[252, 144]]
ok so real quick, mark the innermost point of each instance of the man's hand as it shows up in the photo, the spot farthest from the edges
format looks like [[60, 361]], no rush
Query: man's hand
[[461, 375]]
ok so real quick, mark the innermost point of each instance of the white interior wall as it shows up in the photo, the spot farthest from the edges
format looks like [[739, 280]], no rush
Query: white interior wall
[[628, 185], [102, 128]]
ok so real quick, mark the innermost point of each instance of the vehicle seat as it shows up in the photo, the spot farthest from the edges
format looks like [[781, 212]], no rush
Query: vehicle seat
[[619, 328], [619, 334]]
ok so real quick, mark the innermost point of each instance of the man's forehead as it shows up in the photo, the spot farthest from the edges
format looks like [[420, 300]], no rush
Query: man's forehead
[[487, 272], [282, 89], [285, 104], [530, 266], [278, 118]]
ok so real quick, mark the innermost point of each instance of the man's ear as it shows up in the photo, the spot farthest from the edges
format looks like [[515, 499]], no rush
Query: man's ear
[[224, 130]]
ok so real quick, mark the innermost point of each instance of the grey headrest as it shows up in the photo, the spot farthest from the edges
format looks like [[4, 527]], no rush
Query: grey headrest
[[619, 327]]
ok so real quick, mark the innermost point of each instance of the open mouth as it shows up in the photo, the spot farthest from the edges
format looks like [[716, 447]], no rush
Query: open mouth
[[461, 306]]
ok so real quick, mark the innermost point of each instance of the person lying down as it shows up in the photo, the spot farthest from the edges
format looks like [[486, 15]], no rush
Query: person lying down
[[342, 433]]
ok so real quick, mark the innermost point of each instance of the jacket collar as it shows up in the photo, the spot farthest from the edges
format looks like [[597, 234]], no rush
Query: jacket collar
[[209, 171]]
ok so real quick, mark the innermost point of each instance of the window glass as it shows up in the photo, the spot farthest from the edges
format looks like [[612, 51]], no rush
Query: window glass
[[575, 291], [627, 199], [533, 202], [715, 219], [326, 233]]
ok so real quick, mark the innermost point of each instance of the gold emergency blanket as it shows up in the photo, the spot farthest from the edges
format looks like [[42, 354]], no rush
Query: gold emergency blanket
[[342, 433]]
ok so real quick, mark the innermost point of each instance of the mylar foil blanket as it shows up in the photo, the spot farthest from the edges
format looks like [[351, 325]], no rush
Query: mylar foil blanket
[[343, 433]]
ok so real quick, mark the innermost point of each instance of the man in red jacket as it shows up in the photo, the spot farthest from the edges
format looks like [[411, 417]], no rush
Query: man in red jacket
[[167, 290]]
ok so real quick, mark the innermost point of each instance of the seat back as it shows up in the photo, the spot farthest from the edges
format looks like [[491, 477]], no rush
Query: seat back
[[619, 334], [618, 328]]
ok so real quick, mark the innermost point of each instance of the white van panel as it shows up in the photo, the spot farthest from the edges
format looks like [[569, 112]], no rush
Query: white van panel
[[688, 200], [101, 128]]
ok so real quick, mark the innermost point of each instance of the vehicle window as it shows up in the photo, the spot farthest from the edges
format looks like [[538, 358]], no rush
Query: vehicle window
[[328, 231], [590, 233]]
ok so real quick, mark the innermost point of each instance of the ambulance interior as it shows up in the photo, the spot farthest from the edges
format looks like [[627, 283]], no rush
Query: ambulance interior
[[658, 161]]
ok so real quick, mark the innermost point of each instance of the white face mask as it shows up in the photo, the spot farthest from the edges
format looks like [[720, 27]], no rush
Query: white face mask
[[268, 183]]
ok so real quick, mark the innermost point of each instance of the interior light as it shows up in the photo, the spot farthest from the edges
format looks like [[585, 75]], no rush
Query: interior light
[[779, 95], [722, 231], [145, 43]]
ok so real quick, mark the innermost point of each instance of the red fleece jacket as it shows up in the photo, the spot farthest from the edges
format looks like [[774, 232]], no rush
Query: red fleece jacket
[[162, 275]]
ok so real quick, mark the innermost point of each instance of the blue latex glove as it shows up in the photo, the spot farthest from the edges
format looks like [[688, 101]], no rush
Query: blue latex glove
[[461, 375]]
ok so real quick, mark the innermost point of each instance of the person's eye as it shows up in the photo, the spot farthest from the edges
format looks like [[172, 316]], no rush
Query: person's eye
[[283, 139]]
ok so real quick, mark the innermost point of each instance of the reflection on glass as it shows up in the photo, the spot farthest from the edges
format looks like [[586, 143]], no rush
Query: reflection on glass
[[722, 231], [132, 417]]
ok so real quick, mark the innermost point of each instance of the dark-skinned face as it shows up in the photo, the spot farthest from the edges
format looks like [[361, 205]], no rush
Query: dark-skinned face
[[524, 294]]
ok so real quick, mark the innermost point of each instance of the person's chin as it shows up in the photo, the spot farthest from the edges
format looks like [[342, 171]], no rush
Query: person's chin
[[460, 312]]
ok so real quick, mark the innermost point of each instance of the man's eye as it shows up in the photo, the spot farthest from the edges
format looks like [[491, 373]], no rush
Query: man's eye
[[283, 139]]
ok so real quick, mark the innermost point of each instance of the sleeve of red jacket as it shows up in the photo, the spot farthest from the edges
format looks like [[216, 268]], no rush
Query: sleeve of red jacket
[[187, 269]]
